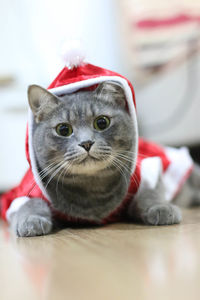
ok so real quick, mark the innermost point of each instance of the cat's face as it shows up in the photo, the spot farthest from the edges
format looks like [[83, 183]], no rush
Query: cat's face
[[82, 133]]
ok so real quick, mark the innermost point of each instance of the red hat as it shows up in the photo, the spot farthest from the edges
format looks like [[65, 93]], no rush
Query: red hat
[[84, 75]]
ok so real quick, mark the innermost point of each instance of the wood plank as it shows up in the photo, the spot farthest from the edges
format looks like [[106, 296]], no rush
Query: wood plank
[[119, 261]]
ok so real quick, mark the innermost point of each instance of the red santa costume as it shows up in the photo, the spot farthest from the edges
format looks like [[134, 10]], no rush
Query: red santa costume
[[175, 164]]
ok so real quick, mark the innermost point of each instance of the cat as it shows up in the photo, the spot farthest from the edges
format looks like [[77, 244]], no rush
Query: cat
[[83, 146]]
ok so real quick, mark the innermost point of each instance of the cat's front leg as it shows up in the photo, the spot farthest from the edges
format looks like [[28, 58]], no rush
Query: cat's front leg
[[150, 207], [32, 218]]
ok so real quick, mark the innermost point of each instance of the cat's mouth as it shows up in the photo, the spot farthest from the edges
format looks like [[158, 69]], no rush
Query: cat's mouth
[[89, 164], [90, 158]]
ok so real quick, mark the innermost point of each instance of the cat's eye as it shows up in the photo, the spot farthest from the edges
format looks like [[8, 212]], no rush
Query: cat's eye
[[64, 129], [101, 123]]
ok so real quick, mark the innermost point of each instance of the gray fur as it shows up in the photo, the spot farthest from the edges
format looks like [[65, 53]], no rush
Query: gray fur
[[93, 188], [90, 187], [33, 218], [150, 206]]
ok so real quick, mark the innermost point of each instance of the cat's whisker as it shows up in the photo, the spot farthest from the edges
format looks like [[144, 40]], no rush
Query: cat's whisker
[[69, 153], [73, 157], [106, 151], [126, 158], [104, 147], [53, 169], [133, 153], [50, 170], [116, 165], [134, 177], [47, 168], [54, 174], [64, 165], [119, 159], [129, 171], [46, 173], [127, 151], [121, 166], [125, 168], [66, 171], [101, 154]]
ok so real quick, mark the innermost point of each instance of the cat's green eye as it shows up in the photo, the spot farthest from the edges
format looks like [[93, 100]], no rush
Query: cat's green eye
[[64, 129], [101, 123]]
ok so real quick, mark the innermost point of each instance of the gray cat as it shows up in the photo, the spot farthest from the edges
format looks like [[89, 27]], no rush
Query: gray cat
[[83, 145]]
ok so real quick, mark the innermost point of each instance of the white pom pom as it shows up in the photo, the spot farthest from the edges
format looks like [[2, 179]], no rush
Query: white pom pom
[[72, 54]]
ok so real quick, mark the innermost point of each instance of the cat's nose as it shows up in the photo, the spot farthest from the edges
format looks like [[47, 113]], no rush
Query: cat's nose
[[86, 145]]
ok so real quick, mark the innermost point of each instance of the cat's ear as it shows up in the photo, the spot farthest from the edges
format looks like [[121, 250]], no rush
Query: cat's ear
[[41, 102], [111, 92]]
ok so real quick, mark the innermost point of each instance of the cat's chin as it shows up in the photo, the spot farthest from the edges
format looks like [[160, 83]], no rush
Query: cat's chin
[[89, 166]]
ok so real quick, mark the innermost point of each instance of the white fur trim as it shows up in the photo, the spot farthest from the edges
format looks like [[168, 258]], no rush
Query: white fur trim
[[72, 54], [15, 206], [70, 88], [151, 170], [181, 164], [173, 178], [32, 155]]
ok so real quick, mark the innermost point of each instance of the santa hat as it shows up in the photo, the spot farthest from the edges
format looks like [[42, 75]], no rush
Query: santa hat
[[78, 74]]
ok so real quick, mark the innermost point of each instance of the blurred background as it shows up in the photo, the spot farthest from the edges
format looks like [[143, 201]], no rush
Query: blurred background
[[154, 43]]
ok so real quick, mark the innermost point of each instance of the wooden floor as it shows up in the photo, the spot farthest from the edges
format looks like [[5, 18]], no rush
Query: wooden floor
[[120, 261]]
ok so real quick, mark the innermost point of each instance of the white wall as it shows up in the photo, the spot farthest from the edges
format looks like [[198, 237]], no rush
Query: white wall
[[33, 31], [169, 107]]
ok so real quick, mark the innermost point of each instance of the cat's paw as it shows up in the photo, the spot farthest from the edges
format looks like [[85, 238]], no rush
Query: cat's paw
[[33, 225], [163, 214]]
